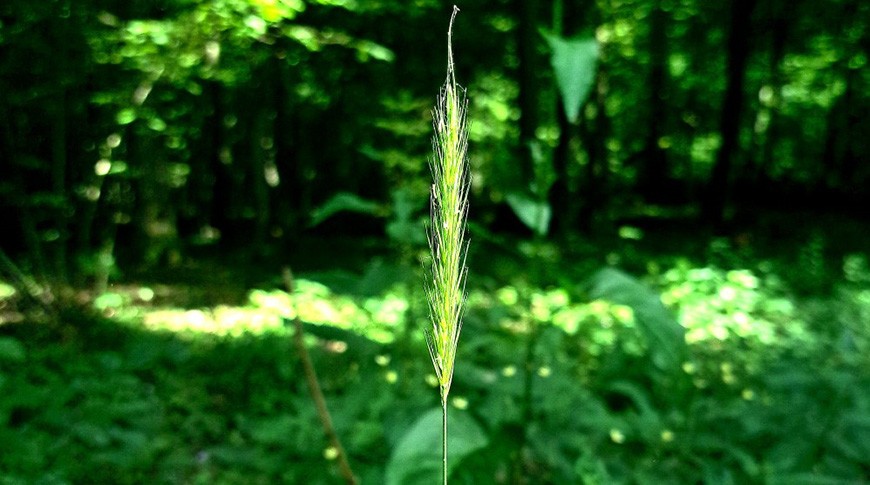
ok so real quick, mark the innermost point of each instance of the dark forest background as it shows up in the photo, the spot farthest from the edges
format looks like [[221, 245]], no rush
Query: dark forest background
[[669, 277], [141, 129]]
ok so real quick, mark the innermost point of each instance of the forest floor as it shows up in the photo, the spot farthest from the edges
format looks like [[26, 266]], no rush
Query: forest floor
[[565, 374]]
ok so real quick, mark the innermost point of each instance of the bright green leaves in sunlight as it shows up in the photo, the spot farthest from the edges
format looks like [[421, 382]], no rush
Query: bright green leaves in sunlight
[[275, 10], [214, 39], [573, 62]]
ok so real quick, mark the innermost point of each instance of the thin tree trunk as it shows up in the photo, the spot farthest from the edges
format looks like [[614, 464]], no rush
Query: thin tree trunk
[[527, 42], [779, 36], [58, 181], [564, 207], [654, 167], [596, 189], [259, 155], [288, 204], [58, 137], [732, 109]]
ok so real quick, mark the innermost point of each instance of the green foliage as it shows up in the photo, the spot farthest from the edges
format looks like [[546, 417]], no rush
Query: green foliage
[[166, 393], [417, 456], [12, 351], [532, 206], [232, 117], [535, 214], [573, 61], [343, 202], [665, 337], [6, 291]]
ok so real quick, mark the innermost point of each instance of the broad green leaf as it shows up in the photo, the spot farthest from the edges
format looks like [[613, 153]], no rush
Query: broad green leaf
[[344, 201], [534, 214], [573, 62], [403, 227], [664, 334], [417, 457]]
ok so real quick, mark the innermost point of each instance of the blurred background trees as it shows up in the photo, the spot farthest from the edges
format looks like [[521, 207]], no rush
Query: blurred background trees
[[142, 131], [161, 159]]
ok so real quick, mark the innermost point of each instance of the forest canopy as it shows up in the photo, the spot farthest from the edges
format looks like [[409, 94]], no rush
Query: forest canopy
[[142, 129]]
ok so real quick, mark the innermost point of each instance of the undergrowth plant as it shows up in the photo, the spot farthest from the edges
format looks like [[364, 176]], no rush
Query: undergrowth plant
[[445, 286]]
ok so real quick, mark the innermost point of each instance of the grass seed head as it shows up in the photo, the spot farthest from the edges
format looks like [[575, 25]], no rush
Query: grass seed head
[[445, 287]]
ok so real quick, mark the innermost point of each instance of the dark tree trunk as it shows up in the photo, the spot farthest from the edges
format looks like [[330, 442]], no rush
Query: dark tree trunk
[[839, 163], [597, 188], [57, 112], [563, 206], [577, 202], [732, 108], [286, 157], [759, 173], [654, 168], [529, 65], [205, 162], [219, 185]]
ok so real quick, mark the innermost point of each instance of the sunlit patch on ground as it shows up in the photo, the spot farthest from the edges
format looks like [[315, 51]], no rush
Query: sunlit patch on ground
[[266, 311]]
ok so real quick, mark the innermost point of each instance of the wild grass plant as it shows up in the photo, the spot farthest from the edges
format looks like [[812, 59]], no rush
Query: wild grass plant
[[445, 285]]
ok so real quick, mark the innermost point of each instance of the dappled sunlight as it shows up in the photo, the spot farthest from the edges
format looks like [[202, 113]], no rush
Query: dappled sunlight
[[377, 318], [716, 305], [721, 311], [756, 359]]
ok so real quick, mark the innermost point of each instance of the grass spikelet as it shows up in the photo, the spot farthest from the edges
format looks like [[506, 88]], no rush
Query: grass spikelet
[[449, 211], [445, 287]]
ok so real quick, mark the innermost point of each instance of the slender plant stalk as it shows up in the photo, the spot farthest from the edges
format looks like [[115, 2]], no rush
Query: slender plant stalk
[[316, 392], [445, 286]]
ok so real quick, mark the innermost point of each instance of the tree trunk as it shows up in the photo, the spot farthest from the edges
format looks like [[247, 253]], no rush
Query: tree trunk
[[598, 171], [738, 54], [286, 158], [58, 182], [779, 35], [529, 65], [563, 206], [654, 167]]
